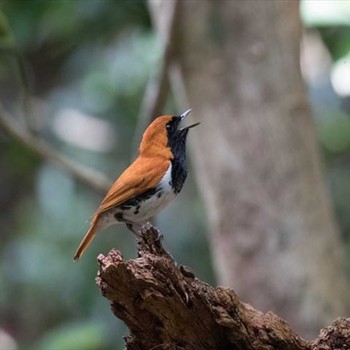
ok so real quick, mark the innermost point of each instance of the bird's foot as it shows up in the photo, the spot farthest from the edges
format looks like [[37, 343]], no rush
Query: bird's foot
[[141, 230], [148, 226]]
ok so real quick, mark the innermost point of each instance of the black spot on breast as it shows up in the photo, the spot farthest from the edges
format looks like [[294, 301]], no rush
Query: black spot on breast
[[137, 210], [118, 216], [159, 194]]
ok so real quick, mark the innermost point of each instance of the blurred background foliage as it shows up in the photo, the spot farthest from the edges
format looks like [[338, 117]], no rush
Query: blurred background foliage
[[74, 72]]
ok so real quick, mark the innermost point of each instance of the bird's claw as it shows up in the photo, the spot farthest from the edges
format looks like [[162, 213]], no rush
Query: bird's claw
[[146, 227]]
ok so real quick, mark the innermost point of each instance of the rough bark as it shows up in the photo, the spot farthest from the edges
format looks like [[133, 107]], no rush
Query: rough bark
[[273, 234], [166, 307]]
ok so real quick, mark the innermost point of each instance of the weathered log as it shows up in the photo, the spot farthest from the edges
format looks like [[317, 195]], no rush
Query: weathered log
[[166, 307]]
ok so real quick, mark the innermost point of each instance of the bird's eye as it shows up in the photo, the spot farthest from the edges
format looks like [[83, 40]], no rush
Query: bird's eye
[[168, 126]]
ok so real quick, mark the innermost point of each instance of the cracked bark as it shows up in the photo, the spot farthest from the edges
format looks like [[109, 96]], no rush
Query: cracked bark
[[166, 307]]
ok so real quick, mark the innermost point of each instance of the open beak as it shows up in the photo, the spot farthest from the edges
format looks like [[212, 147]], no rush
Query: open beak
[[183, 116]]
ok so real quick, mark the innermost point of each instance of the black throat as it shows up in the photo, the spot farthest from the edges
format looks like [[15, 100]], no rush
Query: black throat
[[177, 143]]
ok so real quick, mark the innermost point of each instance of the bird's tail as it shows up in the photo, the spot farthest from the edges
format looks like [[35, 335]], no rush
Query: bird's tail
[[84, 244]]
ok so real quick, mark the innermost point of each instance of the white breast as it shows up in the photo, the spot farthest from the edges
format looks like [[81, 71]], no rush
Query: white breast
[[152, 205]]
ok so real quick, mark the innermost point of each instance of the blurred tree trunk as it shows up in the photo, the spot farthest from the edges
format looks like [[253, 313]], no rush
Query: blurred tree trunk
[[273, 234]]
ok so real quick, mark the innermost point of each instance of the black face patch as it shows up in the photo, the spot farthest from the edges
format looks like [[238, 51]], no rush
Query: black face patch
[[172, 128], [177, 143]]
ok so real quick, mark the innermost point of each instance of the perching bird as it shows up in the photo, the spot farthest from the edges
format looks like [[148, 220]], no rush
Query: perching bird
[[149, 183]]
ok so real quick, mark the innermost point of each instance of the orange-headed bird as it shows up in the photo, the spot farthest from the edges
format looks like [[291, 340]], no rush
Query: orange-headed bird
[[149, 183]]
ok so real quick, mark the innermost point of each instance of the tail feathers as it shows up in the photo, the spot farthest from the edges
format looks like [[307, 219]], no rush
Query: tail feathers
[[84, 244]]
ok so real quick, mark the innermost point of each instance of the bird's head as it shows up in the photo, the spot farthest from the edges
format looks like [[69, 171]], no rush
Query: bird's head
[[164, 134]]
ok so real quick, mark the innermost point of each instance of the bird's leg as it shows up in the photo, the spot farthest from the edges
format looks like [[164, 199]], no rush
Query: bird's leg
[[134, 228]]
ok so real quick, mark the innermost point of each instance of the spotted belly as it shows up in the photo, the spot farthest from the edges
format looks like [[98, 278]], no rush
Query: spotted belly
[[139, 209]]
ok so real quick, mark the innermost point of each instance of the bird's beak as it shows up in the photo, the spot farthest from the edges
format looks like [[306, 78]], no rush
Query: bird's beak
[[183, 116]]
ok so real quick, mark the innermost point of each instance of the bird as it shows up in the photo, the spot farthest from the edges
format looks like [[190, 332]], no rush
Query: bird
[[149, 184]]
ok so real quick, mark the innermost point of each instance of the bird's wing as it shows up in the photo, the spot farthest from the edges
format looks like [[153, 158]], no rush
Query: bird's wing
[[143, 174]]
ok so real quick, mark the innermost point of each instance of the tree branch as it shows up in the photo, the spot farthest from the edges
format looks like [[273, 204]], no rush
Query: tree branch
[[166, 307], [91, 178]]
